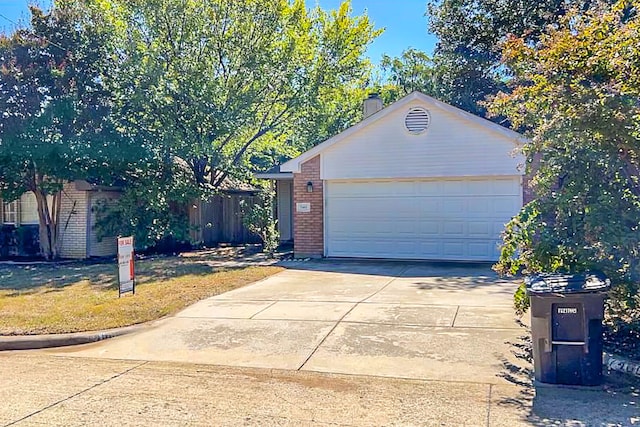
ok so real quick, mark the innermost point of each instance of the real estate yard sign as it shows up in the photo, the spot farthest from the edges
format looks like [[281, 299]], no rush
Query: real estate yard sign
[[126, 273]]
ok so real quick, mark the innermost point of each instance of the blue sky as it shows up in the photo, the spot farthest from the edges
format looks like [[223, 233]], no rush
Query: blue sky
[[403, 20]]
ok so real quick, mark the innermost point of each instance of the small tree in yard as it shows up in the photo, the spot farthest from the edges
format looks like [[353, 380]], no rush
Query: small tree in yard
[[259, 220], [577, 92]]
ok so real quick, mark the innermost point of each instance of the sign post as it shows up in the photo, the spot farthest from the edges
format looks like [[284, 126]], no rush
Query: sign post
[[126, 271]]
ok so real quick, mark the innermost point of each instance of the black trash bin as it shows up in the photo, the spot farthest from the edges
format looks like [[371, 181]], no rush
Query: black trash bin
[[566, 327]]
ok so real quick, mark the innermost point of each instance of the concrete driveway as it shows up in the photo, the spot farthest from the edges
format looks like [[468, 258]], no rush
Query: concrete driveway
[[407, 320]]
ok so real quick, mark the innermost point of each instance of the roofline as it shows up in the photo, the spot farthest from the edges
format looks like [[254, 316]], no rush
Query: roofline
[[82, 185], [518, 138], [274, 175], [293, 165]]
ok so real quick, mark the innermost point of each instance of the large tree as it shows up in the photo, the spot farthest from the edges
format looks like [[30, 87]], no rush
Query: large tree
[[208, 81], [469, 34], [56, 124], [215, 90], [413, 70], [577, 92]]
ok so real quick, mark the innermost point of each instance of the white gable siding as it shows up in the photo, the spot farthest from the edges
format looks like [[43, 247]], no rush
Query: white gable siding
[[452, 146]]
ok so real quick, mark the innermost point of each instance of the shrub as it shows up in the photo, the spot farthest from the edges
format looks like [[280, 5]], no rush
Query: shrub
[[259, 219]]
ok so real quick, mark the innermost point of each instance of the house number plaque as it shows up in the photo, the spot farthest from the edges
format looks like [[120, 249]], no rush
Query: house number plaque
[[303, 207]]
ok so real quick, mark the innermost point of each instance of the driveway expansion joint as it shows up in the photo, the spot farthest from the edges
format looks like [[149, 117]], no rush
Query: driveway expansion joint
[[265, 308], [455, 316], [394, 277], [74, 395]]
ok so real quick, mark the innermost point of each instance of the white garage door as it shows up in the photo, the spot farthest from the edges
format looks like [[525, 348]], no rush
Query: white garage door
[[448, 219]]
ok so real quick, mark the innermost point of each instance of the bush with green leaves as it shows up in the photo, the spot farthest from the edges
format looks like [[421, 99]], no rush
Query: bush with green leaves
[[154, 209], [577, 92], [259, 219]]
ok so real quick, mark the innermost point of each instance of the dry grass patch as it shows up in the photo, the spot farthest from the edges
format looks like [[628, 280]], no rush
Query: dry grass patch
[[80, 297]]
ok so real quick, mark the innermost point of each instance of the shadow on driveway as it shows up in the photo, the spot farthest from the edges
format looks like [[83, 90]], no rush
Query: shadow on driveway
[[466, 273]]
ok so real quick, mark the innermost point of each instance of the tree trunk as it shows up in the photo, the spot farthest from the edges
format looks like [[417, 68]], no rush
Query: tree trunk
[[48, 224]]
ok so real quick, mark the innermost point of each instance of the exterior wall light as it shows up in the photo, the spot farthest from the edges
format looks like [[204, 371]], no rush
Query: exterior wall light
[[309, 187]]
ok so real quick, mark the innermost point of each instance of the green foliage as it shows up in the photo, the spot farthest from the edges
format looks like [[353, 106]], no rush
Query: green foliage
[[27, 240], [469, 32], [154, 211], [259, 219], [521, 301], [623, 320], [413, 71], [56, 124], [215, 83], [224, 88], [118, 92], [577, 91]]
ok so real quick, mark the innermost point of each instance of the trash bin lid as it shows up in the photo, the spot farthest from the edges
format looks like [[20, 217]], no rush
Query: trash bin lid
[[556, 283]]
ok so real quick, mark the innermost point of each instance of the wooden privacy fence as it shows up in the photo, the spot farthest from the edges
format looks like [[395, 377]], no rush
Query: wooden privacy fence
[[219, 219]]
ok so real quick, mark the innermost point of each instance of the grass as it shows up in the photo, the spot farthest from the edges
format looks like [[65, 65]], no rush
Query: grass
[[48, 298]]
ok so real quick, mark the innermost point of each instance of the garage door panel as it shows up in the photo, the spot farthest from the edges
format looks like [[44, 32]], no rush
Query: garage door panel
[[498, 227], [430, 249], [454, 228], [479, 249], [452, 248], [408, 227], [507, 187], [504, 205], [454, 205], [429, 205], [480, 229], [345, 226], [479, 206], [479, 188], [383, 189], [459, 219], [428, 188], [429, 228], [453, 187]]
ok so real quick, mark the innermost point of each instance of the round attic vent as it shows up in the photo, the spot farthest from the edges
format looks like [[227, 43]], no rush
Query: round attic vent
[[417, 120]]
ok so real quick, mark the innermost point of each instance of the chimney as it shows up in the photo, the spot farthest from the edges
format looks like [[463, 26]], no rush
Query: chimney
[[372, 105]]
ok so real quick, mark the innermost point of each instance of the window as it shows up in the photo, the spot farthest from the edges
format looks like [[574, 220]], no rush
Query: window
[[10, 212], [22, 211], [28, 209]]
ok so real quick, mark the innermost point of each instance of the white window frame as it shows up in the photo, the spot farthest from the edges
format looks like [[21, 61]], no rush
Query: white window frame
[[11, 208]]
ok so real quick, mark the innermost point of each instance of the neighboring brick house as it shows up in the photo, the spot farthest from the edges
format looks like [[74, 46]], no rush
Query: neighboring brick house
[[77, 218], [419, 179]]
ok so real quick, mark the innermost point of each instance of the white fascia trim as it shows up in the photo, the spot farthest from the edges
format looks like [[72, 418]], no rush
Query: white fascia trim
[[516, 137]]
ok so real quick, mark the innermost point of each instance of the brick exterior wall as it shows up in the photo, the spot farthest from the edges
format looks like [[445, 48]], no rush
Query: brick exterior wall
[[74, 209], [308, 233]]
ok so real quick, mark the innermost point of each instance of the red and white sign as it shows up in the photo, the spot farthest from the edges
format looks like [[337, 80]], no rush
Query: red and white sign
[[126, 271]]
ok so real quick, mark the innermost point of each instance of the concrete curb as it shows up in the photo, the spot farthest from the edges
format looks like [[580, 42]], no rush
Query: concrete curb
[[619, 364], [33, 342]]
